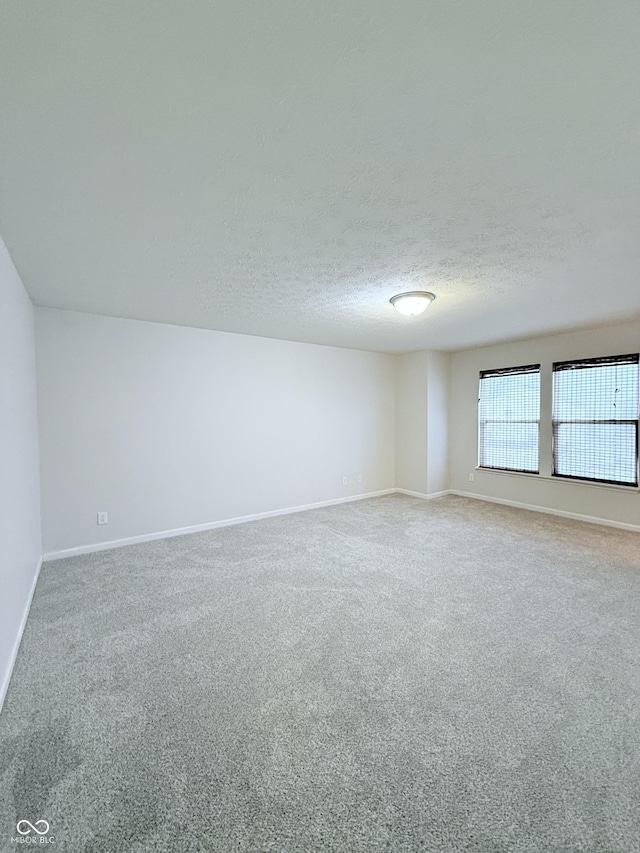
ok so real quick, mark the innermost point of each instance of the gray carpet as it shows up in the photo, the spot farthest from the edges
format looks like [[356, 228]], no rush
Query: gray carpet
[[383, 675]]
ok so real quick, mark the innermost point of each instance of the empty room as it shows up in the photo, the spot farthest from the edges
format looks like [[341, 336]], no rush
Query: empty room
[[319, 426]]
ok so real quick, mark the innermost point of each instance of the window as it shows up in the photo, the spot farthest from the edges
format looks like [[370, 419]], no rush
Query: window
[[595, 419], [509, 418]]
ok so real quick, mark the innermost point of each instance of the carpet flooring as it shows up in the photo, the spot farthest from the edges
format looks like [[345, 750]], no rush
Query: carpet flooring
[[384, 675]]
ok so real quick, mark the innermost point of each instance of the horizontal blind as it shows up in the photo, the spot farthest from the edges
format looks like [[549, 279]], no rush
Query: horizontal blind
[[509, 418], [595, 419]]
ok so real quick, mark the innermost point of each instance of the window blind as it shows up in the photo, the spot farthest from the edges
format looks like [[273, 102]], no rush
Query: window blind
[[595, 419], [509, 418]]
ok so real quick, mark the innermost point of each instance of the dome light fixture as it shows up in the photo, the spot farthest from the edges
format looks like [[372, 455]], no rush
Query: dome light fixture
[[412, 303]]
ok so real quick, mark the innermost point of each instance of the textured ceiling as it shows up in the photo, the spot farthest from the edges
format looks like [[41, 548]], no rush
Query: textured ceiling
[[283, 167]]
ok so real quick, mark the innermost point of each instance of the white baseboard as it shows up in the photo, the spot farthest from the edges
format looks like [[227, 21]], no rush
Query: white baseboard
[[227, 522], [4, 686], [197, 528], [548, 511], [424, 495]]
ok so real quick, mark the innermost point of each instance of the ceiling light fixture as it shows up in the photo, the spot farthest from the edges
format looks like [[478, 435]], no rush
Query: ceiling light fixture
[[412, 303]]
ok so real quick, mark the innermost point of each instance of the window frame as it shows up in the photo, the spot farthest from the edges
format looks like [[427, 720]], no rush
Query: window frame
[[557, 366], [509, 371]]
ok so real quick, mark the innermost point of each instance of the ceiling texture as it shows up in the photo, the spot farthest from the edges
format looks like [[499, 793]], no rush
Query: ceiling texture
[[283, 167]]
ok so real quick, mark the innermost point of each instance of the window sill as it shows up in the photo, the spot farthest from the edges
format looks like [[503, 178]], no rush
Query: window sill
[[633, 490]]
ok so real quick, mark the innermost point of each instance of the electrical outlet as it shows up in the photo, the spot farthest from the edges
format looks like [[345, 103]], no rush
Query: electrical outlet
[[359, 479], [344, 481], [103, 518], [472, 477]]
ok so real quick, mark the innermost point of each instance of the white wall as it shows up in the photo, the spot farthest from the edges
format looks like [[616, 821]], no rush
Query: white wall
[[438, 383], [613, 504], [20, 546], [411, 421], [167, 427], [422, 392]]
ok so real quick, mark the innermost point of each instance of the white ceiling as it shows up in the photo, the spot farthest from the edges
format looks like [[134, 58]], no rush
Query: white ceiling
[[283, 167]]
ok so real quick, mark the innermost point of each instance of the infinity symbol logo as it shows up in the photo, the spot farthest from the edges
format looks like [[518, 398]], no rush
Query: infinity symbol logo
[[34, 827]]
